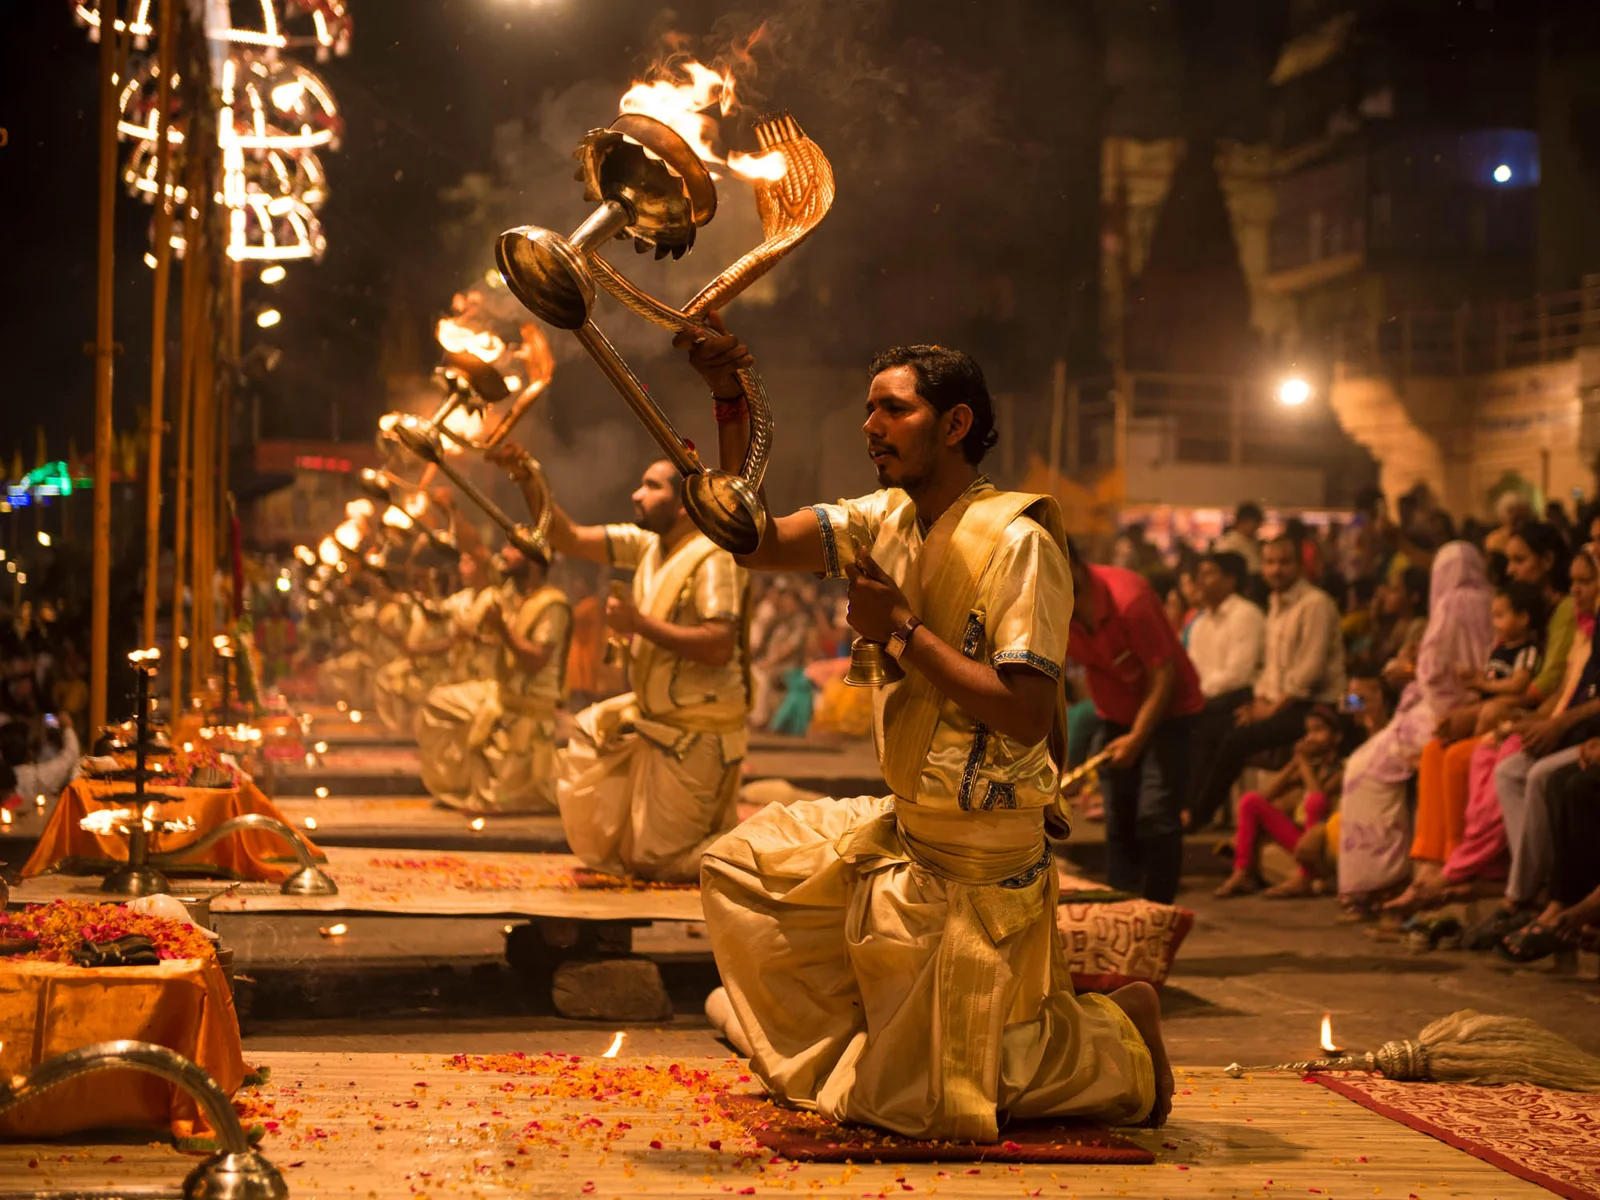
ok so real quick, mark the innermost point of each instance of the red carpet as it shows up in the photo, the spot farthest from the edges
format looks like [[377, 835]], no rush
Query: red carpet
[[808, 1137], [1546, 1137]]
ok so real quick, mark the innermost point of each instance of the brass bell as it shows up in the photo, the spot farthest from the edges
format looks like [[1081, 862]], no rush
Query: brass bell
[[871, 666]]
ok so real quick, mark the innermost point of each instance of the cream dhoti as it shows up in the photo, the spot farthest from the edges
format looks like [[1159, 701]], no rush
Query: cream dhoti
[[645, 798], [901, 968], [648, 779], [488, 745]]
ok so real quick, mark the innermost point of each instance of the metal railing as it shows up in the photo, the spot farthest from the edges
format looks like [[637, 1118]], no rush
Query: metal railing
[[1466, 341]]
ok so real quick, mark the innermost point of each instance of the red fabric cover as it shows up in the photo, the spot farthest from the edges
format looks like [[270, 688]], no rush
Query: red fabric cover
[[810, 1137]]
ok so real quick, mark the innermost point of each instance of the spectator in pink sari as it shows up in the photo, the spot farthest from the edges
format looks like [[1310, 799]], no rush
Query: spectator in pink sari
[[1507, 834], [1375, 838]]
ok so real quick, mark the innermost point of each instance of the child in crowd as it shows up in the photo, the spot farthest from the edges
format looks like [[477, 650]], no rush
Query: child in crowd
[[1517, 611], [1298, 797]]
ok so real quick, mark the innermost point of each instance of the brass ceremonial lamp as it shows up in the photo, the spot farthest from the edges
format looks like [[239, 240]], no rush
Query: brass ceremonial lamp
[[236, 1171], [137, 877], [379, 487], [223, 645], [651, 187], [141, 874]]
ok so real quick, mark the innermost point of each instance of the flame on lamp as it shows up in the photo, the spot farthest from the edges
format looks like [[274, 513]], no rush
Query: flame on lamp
[[616, 1045], [458, 338], [348, 535], [1328, 1044], [684, 97], [464, 424]]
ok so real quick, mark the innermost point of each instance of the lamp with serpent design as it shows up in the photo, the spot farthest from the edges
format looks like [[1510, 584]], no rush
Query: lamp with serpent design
[[489, 357], [654, 186], [236, 1171]]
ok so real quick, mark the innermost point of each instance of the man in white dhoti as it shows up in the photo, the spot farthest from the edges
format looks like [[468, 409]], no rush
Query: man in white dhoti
[[649, 778], [488, 744], [894, 960]]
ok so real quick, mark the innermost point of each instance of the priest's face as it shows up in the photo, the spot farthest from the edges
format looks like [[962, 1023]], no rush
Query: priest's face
[[657, 501], [903, 434]]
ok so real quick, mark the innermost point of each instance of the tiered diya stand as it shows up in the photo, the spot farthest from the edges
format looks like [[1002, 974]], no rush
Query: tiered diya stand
[[137, 877], [141, 875]]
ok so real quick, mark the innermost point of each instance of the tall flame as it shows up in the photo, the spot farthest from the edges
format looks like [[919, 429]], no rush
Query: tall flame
[[463, 423], [456, 338], [1329, 1046], [691, 99]]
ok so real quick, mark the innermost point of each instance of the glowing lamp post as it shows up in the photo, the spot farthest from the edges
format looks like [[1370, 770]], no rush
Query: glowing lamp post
[[1294, 392]]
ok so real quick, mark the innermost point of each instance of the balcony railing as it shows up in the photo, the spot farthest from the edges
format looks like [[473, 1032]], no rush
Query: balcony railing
[[1468, 341]]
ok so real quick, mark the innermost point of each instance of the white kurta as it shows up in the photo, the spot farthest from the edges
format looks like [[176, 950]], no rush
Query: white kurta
[[650, 778], [488, 744]]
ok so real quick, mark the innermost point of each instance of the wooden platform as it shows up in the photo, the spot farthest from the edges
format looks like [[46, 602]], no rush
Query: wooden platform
[[407, 822], [378, 1126], [378, 882]]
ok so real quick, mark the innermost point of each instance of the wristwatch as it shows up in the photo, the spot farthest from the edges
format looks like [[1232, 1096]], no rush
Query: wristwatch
[[901, 638]]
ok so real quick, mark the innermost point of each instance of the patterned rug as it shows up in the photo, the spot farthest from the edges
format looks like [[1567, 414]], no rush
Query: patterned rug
[[808, 1137], [1546, 1137]]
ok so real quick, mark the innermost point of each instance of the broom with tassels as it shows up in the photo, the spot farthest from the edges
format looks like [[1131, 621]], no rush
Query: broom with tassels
[[1469, 1047]]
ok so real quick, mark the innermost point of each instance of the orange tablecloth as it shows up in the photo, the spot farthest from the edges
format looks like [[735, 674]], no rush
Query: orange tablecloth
[[47, 1009], [246, 855]]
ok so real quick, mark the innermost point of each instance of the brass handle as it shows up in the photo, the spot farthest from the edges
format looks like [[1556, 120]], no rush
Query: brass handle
[[234, 1170]]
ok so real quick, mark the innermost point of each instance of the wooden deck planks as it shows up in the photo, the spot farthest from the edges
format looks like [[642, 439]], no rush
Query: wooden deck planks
[[384, 882], [359, 1124]]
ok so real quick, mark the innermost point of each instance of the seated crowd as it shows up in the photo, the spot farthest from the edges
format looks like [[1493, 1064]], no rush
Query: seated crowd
[[43, 700], [1419, 706]]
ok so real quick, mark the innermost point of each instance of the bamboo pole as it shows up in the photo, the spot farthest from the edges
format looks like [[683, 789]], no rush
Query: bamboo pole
[[204, 482], [224, 424], [158, 326], [100, 588], [193, 285]]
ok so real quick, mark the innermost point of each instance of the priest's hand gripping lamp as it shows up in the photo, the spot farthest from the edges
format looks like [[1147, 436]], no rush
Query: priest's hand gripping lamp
[[652, 188]]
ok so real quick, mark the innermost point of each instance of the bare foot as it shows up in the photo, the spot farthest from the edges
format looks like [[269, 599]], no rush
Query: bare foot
[[1240, 883], [719, 1011], [1291, 888], [1143, 1006]]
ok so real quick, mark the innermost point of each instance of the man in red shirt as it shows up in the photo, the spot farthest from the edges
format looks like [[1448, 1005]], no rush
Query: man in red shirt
[[1147, 694]]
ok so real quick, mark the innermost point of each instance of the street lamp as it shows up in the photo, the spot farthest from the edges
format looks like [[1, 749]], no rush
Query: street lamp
[[268, 317], [1293, 392]]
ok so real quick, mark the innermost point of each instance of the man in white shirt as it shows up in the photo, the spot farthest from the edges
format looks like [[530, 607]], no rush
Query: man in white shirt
[[1227, 639], [1303, 665]]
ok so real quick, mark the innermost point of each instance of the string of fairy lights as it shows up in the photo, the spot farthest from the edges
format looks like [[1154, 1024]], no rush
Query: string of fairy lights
[[274, 117]]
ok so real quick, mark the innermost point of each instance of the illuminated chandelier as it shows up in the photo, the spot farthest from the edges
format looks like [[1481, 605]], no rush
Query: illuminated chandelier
[[274, 116], [327, 24]]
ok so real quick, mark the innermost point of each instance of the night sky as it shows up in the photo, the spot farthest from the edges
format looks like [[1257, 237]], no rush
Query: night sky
[[965, 137]]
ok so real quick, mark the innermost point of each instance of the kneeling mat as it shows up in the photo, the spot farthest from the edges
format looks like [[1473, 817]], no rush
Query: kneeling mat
[[808, 1137]]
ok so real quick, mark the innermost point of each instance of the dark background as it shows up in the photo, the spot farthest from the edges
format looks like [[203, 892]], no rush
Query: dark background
[[965, 137]]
